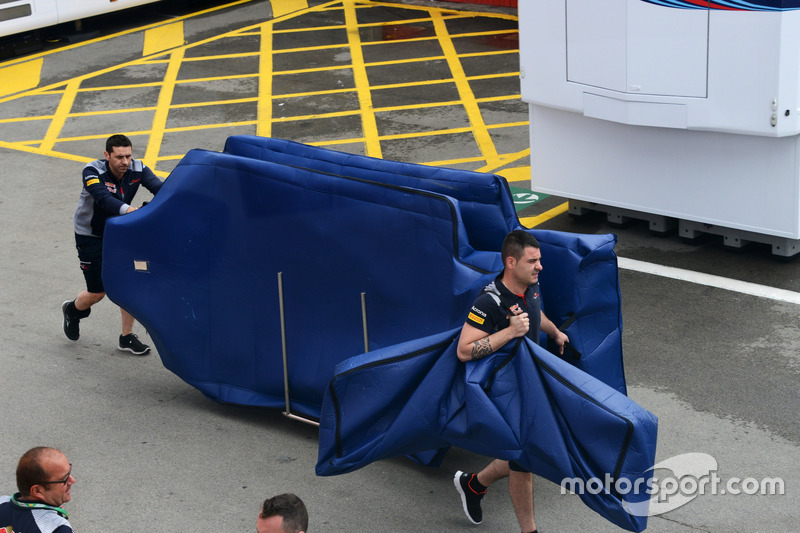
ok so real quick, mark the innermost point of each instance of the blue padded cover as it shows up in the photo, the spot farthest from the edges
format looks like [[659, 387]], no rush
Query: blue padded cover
[[581, 280], [580, 285], [580, 275], [223, 226], [522, 404], [487, 208]]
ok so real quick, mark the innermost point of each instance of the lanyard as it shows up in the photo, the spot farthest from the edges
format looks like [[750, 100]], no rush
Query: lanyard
[[37, 505]]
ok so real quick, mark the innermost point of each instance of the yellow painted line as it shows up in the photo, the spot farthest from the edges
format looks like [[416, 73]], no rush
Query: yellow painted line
[[516, 173], [20, 77], [506, 160], [333, 114], [315, 93], [532, 222], [162, 109], [163, 38], [265, 65], [480, 132], [284, 7], [343, 66], [449, 131], [312, 48], [25, 119], [209, 126], [430, 58], [60, 116], [206, 58], [23, 147], [372, 145]]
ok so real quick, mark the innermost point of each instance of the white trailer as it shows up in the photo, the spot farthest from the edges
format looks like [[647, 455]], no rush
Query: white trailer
[[18, 16], [679, 112]]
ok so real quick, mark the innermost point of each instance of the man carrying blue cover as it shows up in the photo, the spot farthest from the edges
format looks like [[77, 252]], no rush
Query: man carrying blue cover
[[507, 309]]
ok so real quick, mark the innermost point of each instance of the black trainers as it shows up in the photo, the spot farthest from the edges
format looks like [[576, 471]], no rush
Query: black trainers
[[470, 499], [131, 343], [72, 319]]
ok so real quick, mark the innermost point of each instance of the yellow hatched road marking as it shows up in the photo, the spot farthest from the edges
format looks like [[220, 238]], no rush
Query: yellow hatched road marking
[[480, 132], [163, 38], [370, 136], [532, 222], [368, 123], [162, 109], [20, 77], [60, 116]]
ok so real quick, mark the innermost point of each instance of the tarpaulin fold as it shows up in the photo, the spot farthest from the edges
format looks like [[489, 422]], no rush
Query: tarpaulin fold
[[522, 403]]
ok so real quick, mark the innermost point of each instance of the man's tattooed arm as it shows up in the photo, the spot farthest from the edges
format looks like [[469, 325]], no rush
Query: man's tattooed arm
[[481, 348]]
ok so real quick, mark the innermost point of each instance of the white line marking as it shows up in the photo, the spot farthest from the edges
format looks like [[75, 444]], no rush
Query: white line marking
[[710, 280]]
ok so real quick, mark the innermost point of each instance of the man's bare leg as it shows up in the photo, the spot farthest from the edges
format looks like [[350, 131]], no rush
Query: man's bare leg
[[127, 322], [497, 469], [520, 486], [87, 299]]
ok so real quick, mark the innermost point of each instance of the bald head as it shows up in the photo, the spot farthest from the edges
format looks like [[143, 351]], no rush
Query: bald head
[[44, 474]]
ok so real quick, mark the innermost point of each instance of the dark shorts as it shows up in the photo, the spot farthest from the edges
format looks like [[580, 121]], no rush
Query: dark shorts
[[90, 253], [516, 467]]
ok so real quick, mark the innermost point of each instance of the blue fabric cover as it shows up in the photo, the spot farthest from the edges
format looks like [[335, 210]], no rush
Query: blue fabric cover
[[223, 226], [522, 404], [221, 229], [580, 275], [580, 280], [486, 205], [421, 243]]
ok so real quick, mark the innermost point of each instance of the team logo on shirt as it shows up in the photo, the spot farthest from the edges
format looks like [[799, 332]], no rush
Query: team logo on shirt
[[112, 187], [475, 318]]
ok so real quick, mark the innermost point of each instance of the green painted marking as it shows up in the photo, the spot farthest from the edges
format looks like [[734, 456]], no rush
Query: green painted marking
[[525, 197]]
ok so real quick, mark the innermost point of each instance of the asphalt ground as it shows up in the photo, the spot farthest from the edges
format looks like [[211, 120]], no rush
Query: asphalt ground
[[426, 82]]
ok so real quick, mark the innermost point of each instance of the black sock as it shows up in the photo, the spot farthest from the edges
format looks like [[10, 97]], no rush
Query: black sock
[[476, 485], [75, 313]]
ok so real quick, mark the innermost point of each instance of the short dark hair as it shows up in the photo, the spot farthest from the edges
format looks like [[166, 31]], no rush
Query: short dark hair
[[29, 469], [291, 508], [515, 243], [117, 140]]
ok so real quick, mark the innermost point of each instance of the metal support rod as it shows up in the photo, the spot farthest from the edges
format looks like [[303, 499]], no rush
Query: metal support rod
[[364, 320], [288, 412], [283, 344], [301, 419]]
